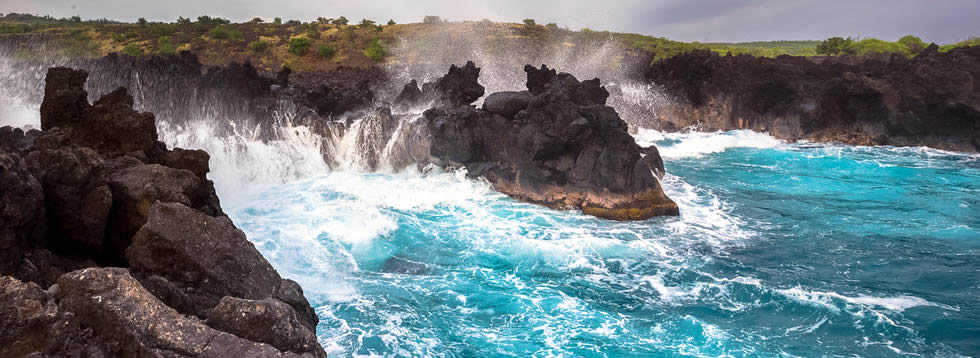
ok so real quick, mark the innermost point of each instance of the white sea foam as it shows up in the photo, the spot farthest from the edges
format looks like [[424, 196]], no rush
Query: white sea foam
[[831, 300], [698, 144]]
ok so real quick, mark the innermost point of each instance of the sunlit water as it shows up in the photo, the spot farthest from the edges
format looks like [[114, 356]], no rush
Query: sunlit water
[[780, 250]]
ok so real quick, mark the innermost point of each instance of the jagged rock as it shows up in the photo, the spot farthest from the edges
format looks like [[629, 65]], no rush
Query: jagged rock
[[136, 189], [266, 321], [66, 100], [116, 316], [22, 218], [458, 87], [334, 100], [651, 155], [410, 95], [282, 77], [931, 100], [26, 312], [565, 150], [292, 294], [15, 139], [507, 103], [195, 160], [207, 257], [77, 199], [538, 78]]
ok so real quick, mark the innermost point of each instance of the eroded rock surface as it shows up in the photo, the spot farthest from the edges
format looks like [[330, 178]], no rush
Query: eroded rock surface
[[557, 144], [96, 188], [931, 100]]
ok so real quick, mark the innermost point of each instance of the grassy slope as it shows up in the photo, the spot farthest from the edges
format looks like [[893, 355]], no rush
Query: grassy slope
[[350, 42]]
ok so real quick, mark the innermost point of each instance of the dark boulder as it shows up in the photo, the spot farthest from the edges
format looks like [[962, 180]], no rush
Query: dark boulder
[[565, 149], [410, 95], [459, 86], [22, 217], [330, 100], [265, 321], [507, 103], [399, 265], [15, 139], [26, 313], [65, 99]]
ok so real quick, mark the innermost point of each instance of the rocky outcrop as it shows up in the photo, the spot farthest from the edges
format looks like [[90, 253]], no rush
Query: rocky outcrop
[[557, 144], [931, 100], [96, 188]]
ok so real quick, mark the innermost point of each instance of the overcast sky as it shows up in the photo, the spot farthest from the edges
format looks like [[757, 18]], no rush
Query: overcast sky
[[942, 21]]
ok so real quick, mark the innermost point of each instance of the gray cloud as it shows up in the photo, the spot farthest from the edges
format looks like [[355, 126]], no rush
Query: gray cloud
[[942, 21]]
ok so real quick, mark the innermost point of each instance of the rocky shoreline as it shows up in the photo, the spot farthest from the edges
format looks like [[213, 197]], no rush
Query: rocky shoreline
[[113, 245], [931, 100]]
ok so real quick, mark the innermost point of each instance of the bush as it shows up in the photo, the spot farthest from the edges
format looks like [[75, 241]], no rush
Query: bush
[[299, 46], [871, 47], [132, 50], [212, 21], [294, 22], [164, 47], [326, 51], [340, 21], [530, 22], [183, 21], [914, 44], [431, 19], [258, 46], [552, 25], [391, 22], [376, 50], [277, 21], [256, 20], [834, 45], [366, 23], [141, 21], [224, 33]]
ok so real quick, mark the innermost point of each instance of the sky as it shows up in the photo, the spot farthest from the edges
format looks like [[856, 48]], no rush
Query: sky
[[940, 21]]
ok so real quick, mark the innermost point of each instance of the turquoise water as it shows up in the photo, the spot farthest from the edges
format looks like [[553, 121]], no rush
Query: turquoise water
[[780, 250]]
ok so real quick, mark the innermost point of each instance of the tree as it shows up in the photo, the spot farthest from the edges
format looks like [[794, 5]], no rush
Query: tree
[[256, 20], [529, 22], [834, 45], [340, 21], [141, 21], [367, 23], [324, 20], [277, 21], [183, 21], [431, 19], [391, 22], [552, 25], [914, 44], [76, 18]]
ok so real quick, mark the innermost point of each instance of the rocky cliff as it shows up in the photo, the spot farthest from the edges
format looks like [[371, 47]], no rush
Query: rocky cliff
[[113, 245], [557, 144], [931, 100]]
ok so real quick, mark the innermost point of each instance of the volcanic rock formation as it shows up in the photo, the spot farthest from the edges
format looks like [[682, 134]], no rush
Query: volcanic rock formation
[[557, 144], [97, 189], [931, 100]]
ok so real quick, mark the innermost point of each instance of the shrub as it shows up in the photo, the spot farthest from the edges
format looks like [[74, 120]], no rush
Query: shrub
[[258, 46], [277, 21], [552, 25], [530, 22], [431, 19], [376, 50], [366, 23], [141, 21], [391, 22], [833, 45], [76, 18], [164, 47], [871, 47], [212, 21], [293, 22], [914, 44], [340, 21], [183, 21], [224, 33], [299, 45], [326, 51], [132, 50], [256, 20]]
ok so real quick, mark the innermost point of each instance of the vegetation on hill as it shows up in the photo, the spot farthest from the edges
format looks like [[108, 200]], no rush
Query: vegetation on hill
[[327, 43]]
